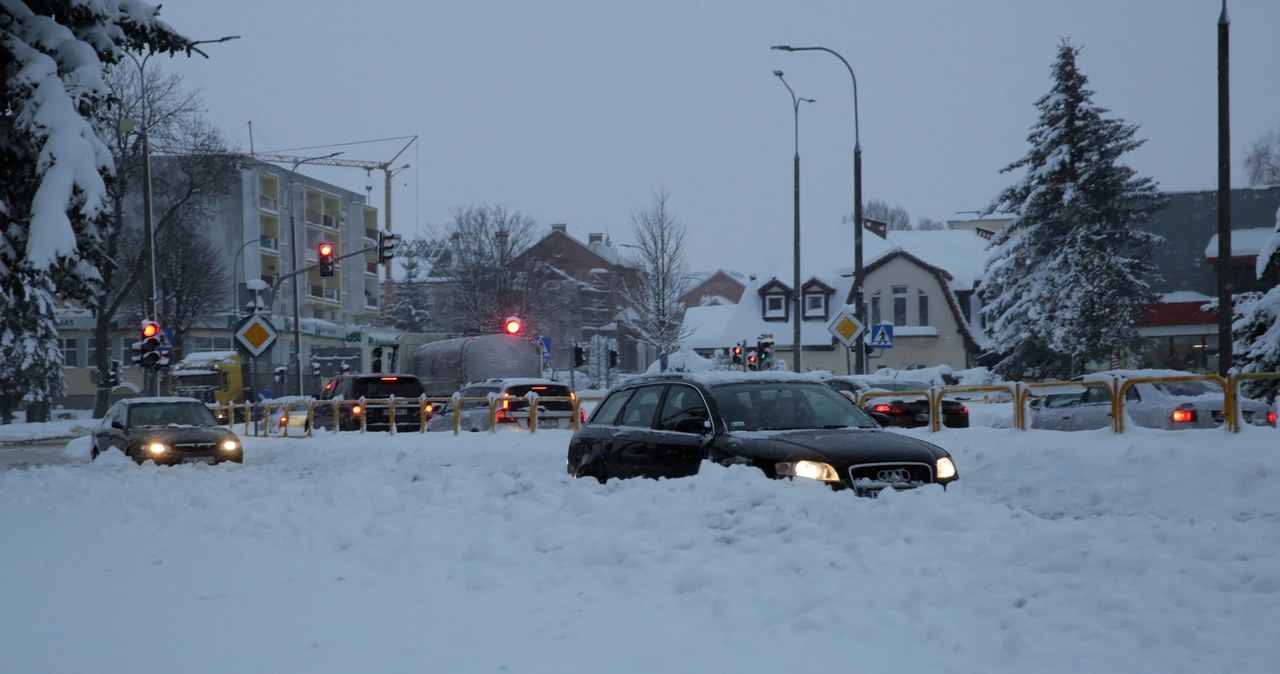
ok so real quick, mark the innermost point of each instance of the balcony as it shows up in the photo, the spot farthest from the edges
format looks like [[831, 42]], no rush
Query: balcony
[[323, 293], [270, 243], [371, 234], [268, 204], [371, 268], [313, 217]]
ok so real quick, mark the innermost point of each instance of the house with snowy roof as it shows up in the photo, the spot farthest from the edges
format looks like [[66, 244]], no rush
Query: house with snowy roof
[[921, 282]]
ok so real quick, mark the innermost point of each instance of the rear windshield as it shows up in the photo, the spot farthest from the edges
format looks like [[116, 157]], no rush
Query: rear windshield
[[898, 385], [1189, 389], [400, 387], [543, 391]]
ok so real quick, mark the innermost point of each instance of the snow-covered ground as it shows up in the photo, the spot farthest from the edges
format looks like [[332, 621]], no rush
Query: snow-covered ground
[[1088, 552]]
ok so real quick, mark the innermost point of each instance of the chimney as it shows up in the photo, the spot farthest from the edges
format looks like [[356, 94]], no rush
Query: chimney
[[595, 237], [559, 227], [880, 229]]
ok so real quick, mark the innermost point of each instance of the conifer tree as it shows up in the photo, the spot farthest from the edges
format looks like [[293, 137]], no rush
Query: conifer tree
[[1065, 280], [1255, 324]]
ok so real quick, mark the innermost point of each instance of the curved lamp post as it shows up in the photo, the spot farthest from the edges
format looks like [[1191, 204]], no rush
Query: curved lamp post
[[798, 299], [857, 203], [293, 256]]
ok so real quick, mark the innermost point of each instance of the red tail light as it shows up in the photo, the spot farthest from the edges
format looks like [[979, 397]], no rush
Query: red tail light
[[284, 420], [356, 410], [887, 409], [1271, 417], [1183, 416], [964, 409], [503, 417], [582, 415]]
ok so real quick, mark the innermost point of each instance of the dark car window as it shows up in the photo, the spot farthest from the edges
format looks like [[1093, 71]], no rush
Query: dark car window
[[543, 391], [385, 387], [476, 392], [682, 402], [785, 405], [607, 411], [642, 406], [1097, 395]]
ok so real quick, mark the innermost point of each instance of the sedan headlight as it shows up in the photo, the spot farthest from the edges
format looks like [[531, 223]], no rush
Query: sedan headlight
[[157, 448], [230, 445], [814, 470], [944, 468]]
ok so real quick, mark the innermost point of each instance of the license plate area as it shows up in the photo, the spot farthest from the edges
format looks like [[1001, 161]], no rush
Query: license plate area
[[200, 459]]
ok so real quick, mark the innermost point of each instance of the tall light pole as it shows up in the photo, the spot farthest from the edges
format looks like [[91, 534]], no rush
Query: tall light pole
[[293, 257], [859, 307], [148, 222], [1225, 347], [798, 300]]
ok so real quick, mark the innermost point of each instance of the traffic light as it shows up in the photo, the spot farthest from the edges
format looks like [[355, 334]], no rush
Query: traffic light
[[751, 361], [513, 325], [324, 254], [147, 347], [579, 356], [613, 358], [387, 247], [113, 374], [737, 355], [765, 349]]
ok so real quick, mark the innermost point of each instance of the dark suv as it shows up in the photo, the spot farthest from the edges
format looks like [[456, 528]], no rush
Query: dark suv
[[350, 390]]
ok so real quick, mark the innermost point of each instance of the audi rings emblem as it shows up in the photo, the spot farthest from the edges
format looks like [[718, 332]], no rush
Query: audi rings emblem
[[894, 475]]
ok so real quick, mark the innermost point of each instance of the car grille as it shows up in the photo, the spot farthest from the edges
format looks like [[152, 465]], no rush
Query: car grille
[[197, 447], [872, 477]]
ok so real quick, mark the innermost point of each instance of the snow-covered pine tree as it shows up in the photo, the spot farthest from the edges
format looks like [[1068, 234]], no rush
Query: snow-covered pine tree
[[1066, 279], [52, 165], [1255, 324], [410, 307]]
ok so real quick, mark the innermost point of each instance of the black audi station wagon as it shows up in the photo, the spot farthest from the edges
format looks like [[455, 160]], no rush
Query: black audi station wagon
[[785, 424]]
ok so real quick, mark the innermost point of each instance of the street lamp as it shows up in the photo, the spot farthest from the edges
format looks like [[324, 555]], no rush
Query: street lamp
[[293, 256], [799, 306], [144, 135], [859, 309]]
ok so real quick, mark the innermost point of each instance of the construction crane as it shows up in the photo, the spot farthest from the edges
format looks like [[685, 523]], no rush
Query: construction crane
[[369, 166]]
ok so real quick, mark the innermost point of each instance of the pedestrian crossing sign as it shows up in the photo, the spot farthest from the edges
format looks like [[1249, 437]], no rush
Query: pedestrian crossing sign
[[882, 336]]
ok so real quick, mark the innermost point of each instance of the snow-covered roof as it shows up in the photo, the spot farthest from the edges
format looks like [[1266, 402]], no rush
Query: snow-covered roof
[[207, 357], [1244, 242]]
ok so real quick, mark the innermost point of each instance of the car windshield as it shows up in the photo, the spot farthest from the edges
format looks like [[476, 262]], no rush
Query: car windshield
[[770, 406], [171, 414], [1188, 389]]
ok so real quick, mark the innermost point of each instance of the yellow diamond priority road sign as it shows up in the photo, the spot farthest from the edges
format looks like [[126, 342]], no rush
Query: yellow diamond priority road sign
[[256, 335], [846, 328]]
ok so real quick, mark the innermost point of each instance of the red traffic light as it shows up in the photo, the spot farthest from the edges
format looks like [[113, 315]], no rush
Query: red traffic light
[[512, 325], [150, 329], [326, 248]]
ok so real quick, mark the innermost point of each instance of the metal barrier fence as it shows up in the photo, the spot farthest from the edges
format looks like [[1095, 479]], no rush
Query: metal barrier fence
[[263, 418], [258, 418]]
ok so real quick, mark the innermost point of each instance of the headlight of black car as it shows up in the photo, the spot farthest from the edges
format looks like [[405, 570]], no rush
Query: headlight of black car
[[944, 469], [814, 470]]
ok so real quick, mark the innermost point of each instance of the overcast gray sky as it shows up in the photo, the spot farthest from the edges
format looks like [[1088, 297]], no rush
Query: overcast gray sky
[[577, 111]]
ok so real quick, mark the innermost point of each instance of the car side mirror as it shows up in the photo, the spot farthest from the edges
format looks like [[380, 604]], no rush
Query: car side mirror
[[1035, 403], [116, 423], [882, 419]]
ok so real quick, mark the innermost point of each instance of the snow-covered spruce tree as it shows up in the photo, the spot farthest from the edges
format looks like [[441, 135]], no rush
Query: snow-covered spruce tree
[[410, 308], [1255, 324], [654, 303], [52, 167], [1066, 279]]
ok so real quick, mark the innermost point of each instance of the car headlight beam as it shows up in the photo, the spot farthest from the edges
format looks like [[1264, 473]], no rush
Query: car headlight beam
[[945, 468], [814, 470], [230, 445], [157, 448]]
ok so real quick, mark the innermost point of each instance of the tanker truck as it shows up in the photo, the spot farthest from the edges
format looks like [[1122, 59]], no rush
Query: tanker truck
[[445, 366]]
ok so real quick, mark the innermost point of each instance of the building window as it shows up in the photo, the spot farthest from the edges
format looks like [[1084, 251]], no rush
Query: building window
[[815, 305], [69, 352], [775, 306], [899, 305], [923, 300], [875, 308]]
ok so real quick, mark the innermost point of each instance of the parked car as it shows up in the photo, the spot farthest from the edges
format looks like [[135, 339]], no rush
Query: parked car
[[286, 415], [472, 409], [1170, 406], [902, 412], [166, 430], [348, 390], [785, 424]]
